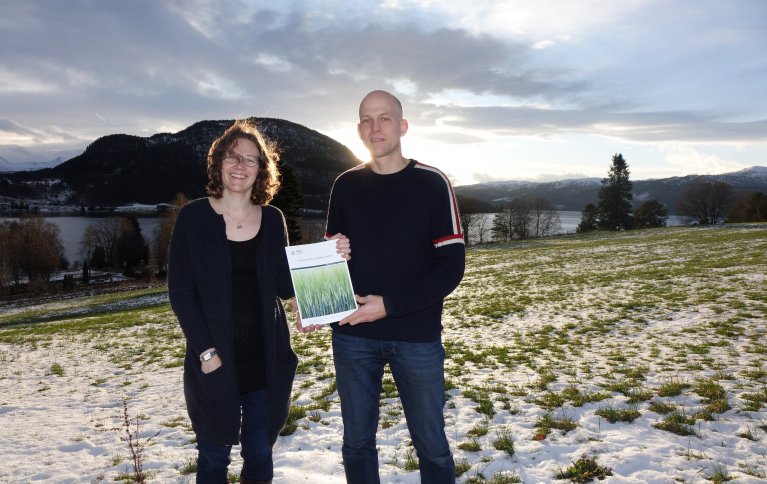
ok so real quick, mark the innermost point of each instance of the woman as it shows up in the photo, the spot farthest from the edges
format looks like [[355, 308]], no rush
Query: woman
[[227, 273]]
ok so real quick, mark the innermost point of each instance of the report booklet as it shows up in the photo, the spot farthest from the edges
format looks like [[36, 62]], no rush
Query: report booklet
[[321, 282]]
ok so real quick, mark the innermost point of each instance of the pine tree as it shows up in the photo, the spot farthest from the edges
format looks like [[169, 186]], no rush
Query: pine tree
[[588, 219], [614, 207], [290, 199], [651, 213]]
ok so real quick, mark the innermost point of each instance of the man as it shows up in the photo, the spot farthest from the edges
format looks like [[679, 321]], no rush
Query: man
[[402, 219]]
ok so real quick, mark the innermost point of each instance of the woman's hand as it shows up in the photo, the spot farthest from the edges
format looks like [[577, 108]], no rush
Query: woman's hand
[[212, 364], [343, 246]]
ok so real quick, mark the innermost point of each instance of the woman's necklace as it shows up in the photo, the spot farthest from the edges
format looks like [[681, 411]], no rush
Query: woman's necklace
[[238, 225]]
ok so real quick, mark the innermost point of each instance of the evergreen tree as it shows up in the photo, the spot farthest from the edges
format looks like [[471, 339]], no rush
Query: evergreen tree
[[130, 248], [290, 199], [750, 207], [614, 207], [651, 213], [588, 219], [502, 225]]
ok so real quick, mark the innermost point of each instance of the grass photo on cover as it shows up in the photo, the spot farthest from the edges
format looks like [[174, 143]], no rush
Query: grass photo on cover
[[323, 290]]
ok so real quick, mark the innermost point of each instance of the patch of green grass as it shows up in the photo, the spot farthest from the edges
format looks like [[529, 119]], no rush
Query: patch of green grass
[[546, 423], [504, 441], [661, 407], [57, 369], [461, 467], [718, 474], [295, 414], [479, 430], [672, 387], [471, 445], [612, 414], [411, 462], [677, 423], [585, 469], [189, 467]]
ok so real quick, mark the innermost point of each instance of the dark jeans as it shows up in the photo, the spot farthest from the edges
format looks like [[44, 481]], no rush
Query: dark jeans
[[418, 371], [213, 459]]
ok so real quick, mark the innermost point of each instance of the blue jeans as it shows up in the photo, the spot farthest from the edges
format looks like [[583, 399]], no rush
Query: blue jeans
[[418, 371], [213, 459]]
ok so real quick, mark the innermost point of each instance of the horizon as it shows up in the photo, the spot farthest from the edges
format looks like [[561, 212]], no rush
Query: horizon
[[507, 91]]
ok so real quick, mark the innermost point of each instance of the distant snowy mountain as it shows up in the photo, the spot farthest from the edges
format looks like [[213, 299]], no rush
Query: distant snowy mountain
[[574, 194], [8, 166]]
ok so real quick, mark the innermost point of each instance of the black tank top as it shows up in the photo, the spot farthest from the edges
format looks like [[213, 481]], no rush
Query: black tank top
[[246, 315]]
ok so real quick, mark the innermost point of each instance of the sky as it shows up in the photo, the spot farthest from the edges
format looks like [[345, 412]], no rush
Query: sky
[[492, 90]]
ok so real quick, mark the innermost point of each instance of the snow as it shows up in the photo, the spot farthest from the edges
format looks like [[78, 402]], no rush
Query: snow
[[69, 428]]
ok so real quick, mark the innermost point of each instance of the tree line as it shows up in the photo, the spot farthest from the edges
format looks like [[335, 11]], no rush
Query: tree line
[[31, 249], [703, 202]]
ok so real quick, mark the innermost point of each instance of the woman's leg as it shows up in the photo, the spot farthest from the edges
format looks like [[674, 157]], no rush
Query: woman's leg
[[254, 438], [212, 462]]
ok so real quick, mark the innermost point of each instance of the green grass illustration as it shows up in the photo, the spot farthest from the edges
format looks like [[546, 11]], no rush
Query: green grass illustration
[[323, 290]]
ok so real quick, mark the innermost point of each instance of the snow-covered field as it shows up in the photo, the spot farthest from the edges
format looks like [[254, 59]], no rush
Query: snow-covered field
[[547, 342]]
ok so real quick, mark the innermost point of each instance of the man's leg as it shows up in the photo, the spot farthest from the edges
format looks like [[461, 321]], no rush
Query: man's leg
[[359, 367], [418, 371]]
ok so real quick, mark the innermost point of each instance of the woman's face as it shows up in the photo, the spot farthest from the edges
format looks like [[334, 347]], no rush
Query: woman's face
[[237, 174]]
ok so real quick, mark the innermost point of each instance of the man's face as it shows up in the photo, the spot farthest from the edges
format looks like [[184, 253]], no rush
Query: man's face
[[381, 125]]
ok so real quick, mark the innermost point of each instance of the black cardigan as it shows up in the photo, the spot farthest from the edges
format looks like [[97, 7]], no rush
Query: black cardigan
[[199, 287]]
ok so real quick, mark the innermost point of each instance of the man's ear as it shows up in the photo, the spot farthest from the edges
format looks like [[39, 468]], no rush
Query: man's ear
[[403, 127]]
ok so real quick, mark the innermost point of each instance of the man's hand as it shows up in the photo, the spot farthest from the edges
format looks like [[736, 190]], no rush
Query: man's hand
[[343, 246], [371, 308]]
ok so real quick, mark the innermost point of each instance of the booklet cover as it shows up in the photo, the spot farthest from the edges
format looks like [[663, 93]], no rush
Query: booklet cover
[[321, 282]]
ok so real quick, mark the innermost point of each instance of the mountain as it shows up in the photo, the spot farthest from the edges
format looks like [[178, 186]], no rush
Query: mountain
[[7, 166], [120, 169], [575, 194]]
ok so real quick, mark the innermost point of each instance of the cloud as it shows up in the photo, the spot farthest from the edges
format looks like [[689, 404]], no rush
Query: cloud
[[453, 137], [463, 70], [638, 126], [689, 160]]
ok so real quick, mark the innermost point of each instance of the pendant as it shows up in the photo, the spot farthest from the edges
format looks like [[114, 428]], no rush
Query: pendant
[[239, 226]]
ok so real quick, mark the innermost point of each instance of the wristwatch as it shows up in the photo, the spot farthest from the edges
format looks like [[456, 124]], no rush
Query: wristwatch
[[208, 355]]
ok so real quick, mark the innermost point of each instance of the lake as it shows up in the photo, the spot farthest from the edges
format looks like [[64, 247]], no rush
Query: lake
[[569, 221], [73, 228]]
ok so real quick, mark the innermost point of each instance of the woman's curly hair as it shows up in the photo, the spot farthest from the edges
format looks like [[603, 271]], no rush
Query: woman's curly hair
[[268, 179]]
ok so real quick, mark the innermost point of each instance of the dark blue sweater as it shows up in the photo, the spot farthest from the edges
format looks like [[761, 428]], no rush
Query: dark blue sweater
[[407, 246]]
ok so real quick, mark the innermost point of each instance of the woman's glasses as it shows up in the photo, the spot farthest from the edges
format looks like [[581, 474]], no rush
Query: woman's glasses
[[234, 159]]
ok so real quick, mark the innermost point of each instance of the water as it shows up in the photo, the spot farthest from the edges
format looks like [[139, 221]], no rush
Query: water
[[569, 221], [71, 230]]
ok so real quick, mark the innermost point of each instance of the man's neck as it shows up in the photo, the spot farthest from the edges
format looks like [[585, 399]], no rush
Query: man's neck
[[389, 165]]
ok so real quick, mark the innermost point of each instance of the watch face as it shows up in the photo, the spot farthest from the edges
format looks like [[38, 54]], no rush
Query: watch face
[[208, 356]]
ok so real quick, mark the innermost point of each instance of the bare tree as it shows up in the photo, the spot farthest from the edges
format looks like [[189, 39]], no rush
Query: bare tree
[[519, 214], [524, 218], [99, 242], [164, 231], [705, 202], [482, 227], [502, 226], [544, 219], [471, 215], [5, 256], [31, 247]]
